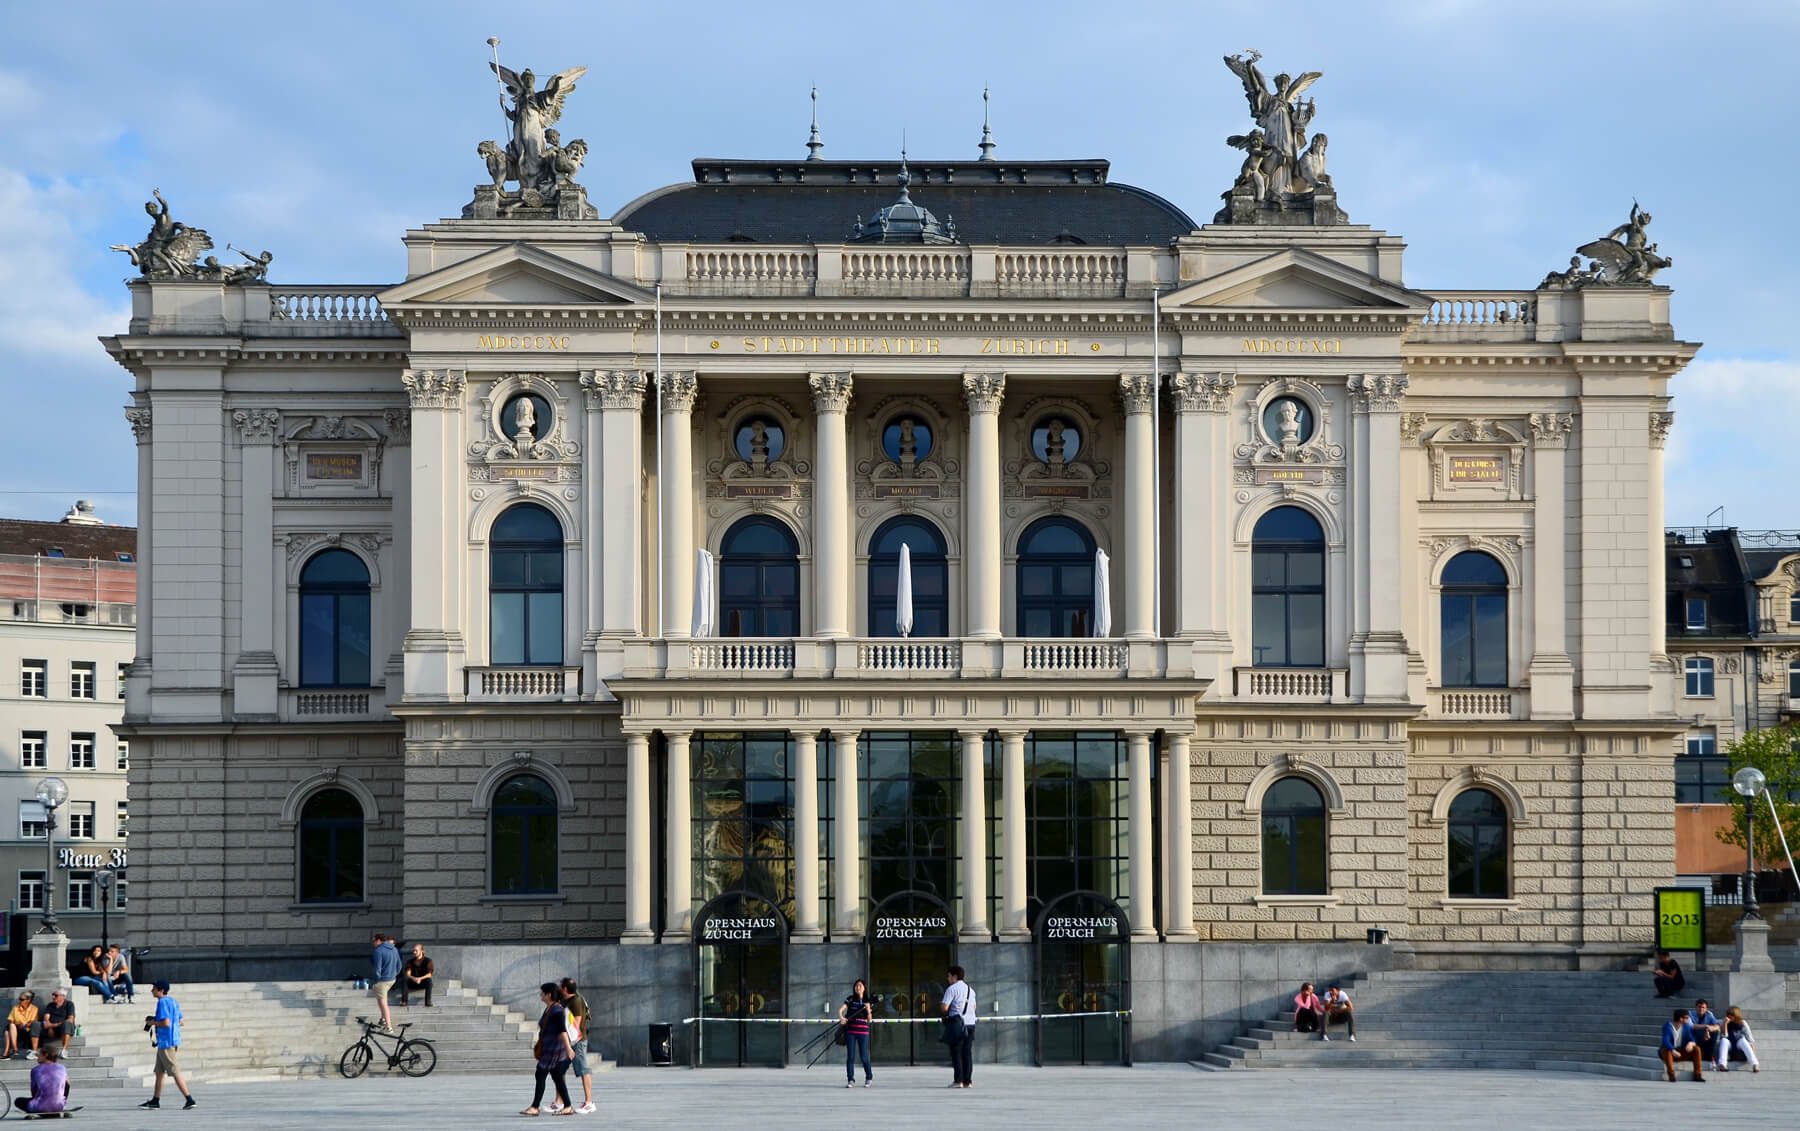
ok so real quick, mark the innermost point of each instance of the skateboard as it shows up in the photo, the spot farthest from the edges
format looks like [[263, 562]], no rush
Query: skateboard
[[63, 1114]]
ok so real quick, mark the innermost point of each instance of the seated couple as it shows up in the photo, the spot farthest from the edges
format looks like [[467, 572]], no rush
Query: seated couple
[[1315, 1014]]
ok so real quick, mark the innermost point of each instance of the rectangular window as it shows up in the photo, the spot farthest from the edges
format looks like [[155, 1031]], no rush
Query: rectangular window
[[1696, 614], [81, 820], [34, 679], [124, 755], [31, 891], [1077, 801], [81, 751], [1794, 607], [33, 824], [1702, 745], [743, 790], [32, 747], [911, 784], [120, 899], [124, 819], [1699, 674], [81, 891], [1701, 777], [81, 681], [123, 669]]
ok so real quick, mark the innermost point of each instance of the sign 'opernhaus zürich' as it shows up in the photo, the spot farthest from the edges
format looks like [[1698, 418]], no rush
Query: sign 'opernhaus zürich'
[[822, 544]]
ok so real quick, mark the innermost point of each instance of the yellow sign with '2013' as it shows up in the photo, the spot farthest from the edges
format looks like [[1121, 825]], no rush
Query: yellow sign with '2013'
[[1680, 919]]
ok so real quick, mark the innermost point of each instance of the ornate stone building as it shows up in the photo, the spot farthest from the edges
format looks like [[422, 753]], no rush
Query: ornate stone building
[[548, 601]]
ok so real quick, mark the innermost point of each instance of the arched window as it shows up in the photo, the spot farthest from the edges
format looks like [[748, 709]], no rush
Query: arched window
[[1473, 602], [1293, 820], [1287, 590], [331, 848], [524, 836], [930, 577], [1478, 853], [334, 621], [759, 580], [525, 587], [1055, 579]]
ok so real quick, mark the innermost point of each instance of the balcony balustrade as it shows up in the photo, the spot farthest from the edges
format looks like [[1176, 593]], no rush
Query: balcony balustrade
[[888, 658], [1291, 685], [524, 685], [1478, 703]]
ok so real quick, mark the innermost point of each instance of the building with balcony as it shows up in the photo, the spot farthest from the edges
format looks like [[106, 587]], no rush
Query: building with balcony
[[68, 603], [547, 602]]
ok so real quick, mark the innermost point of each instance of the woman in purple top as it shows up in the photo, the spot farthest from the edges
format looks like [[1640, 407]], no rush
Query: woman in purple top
[[49, 1084]]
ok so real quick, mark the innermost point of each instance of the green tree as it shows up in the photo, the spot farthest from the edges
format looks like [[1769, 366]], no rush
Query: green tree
[[1776, 752]]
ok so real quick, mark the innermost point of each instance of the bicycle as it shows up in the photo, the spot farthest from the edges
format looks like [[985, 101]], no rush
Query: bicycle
[[413, 1057]]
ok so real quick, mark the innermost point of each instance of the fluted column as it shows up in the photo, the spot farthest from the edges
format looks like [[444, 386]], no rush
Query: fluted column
[[831, 506], [806, 838], [1552, 672], [1142, 842], [678, 849], [974, 835], [1178, 790], [1137, 395], [434, 642], [982, 552], [846, 827], [637, 840], [676, 476], [1378, 639], [1015, 922]]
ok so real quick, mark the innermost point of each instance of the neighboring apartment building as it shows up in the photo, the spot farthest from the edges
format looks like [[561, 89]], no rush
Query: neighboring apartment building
[[68, 604], [1734, 639]]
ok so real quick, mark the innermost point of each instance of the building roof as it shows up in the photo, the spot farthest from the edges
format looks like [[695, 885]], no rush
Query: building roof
[[992, 202], [67, 540], [1707, 564]]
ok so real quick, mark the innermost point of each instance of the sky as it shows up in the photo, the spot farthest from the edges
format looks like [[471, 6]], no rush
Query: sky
[[1493, 137]]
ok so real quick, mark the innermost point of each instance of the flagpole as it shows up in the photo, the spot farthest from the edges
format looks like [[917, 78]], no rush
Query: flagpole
[[661, 530]]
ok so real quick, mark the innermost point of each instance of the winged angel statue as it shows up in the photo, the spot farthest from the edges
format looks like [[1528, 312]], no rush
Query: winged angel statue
[[171, 249], [1283, 171], [1630, 262], [535, 157]]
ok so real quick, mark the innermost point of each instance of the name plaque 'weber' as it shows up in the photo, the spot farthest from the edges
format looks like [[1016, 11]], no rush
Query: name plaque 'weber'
[[906, 490], [1477, 469], [1055, 491], [759, 490], [334, 466], [1268, 475]]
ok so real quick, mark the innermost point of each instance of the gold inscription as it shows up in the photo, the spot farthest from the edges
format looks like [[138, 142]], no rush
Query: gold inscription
[[333, 466], [523, 473], [906, 490], [522, 342], [1026, 346], [759, 491], [1477, 469], [1040, 491], [844, 345], [1293, 345]]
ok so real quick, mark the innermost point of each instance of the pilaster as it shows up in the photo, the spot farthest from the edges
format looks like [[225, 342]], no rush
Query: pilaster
[[435, 648], [397, 579], [1551, 672], [1377, 638], [137, 683], [255, 674], [1178, 790], [1202, 404]]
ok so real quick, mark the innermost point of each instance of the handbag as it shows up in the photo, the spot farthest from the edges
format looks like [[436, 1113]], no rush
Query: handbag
[[839, 1038], [537, 1049], [953, 1029]]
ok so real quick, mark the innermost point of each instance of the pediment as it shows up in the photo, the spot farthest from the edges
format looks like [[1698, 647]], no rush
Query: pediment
[[1295, 279], [517, 274]]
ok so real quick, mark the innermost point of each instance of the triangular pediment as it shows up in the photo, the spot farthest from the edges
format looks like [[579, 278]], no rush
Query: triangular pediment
[[517, 274], [1295, 279]]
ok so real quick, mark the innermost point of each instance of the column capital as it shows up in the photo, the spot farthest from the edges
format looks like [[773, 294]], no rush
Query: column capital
[[1551, 429], [434, 388], [1203, 392], [983, 391], [617, 389], [680, 388], [139, 418], [256, 425], [1137, 393], [1377, 392], [1660, 423], [831, 391]]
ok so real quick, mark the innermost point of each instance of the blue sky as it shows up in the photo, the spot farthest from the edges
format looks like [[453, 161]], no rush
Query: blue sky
[[1493, 136]]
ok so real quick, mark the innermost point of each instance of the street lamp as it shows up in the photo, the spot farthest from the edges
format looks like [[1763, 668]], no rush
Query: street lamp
[[104, 880], [51, 792], [1749, 782]]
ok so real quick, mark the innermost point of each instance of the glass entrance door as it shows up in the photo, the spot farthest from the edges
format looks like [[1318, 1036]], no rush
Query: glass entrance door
[[909, 979], [741, 982], [1083, 981]]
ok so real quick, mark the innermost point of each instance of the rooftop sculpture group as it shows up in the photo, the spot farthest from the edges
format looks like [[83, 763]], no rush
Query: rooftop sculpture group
[[534, 157], [171, 252], [1283, 178], [1612, 262]]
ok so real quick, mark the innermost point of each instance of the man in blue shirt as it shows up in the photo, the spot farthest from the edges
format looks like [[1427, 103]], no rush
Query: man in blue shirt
[[1707, 1029], [385, 962], [166, 1024], [1678, 1044]]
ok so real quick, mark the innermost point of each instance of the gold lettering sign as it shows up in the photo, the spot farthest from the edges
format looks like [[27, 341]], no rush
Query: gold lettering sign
[[844, 345], [900, 347], [522, 341], [1267, 475], [1046, 491], [337, 466], [759, 491], [1293, 345], [906, 490], [523, 473], [1477, 469]]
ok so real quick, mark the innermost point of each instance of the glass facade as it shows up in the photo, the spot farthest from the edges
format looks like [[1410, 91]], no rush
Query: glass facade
[[911, 790], [743, 815], [1077, 810]]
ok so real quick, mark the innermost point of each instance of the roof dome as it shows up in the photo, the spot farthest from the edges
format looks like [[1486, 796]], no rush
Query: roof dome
[[903, 221]]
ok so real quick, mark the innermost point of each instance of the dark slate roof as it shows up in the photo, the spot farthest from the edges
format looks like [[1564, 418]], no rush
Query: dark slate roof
[[992, 202], [77, 540], [1709, 565]]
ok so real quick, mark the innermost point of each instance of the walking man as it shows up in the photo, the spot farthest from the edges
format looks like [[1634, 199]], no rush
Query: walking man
[[579, 1015], [416, 975], [167, 1024], [959, 1001], [385, 964]]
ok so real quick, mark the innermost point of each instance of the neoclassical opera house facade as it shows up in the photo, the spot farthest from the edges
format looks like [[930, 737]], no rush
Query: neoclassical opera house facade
[[545, 606]]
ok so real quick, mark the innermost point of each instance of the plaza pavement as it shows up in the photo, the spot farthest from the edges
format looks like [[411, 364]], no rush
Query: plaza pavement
[[1029, 1099]]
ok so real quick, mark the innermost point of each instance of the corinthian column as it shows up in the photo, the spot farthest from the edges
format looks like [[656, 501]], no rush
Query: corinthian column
[[676, 476], [1137, 394], [981, 556], [1377, 642], [831, 507]]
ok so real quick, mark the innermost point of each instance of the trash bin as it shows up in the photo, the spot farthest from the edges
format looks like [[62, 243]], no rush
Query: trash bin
[[1378, 936], [660, 1035]]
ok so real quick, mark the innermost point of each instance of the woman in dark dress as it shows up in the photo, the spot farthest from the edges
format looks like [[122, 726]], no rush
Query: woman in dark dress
[[555, 1053]]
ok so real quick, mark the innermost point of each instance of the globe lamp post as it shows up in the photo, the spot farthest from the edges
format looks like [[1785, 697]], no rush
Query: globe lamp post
[[1749, 783], [51, 793]]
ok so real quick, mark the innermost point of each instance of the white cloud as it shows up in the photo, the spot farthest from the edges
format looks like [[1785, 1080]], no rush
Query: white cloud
[[1732, 444]]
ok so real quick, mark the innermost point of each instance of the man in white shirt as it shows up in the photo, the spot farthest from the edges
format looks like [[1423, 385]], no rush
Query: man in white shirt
[[1337, 1011], [959, 1000]]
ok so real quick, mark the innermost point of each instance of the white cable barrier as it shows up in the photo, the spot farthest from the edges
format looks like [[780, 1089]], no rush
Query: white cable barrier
[[904, 1020]]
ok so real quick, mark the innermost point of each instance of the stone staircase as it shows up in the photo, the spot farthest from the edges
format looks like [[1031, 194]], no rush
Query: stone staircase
[[241, 1031], [1596, 1022]]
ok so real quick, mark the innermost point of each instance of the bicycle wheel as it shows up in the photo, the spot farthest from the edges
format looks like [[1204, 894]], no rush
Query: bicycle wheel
[[417, 1058], [355, 1061], [6, 1104]]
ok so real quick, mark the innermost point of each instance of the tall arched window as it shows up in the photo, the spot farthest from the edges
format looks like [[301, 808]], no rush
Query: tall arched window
[[930, 577], [1478, 850], [1473, 602], [1287, 590], [525, 587], [1293, 838], [334, 621], [1055, 579], [524, 836], [759, 580], [331, 848]]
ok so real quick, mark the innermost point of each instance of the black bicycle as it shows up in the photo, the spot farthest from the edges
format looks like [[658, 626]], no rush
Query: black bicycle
[[413, 1057]]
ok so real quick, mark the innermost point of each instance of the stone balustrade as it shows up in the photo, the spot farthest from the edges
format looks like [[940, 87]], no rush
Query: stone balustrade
[[905, 272], [1484, 316], [325, 703], [1477, 703], [517, 685], [764, 271], [761, 657], [1290, 685], [1097, 273], [937, 657], [321, 312]]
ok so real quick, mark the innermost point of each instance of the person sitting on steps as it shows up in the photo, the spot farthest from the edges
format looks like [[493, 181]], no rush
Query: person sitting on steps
[[20, 1023], [1678, 1044], [1669, 979], [1309, 1011], [1709, 1034], [1738, 1037], [49, 1086], [1337, 1011]]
